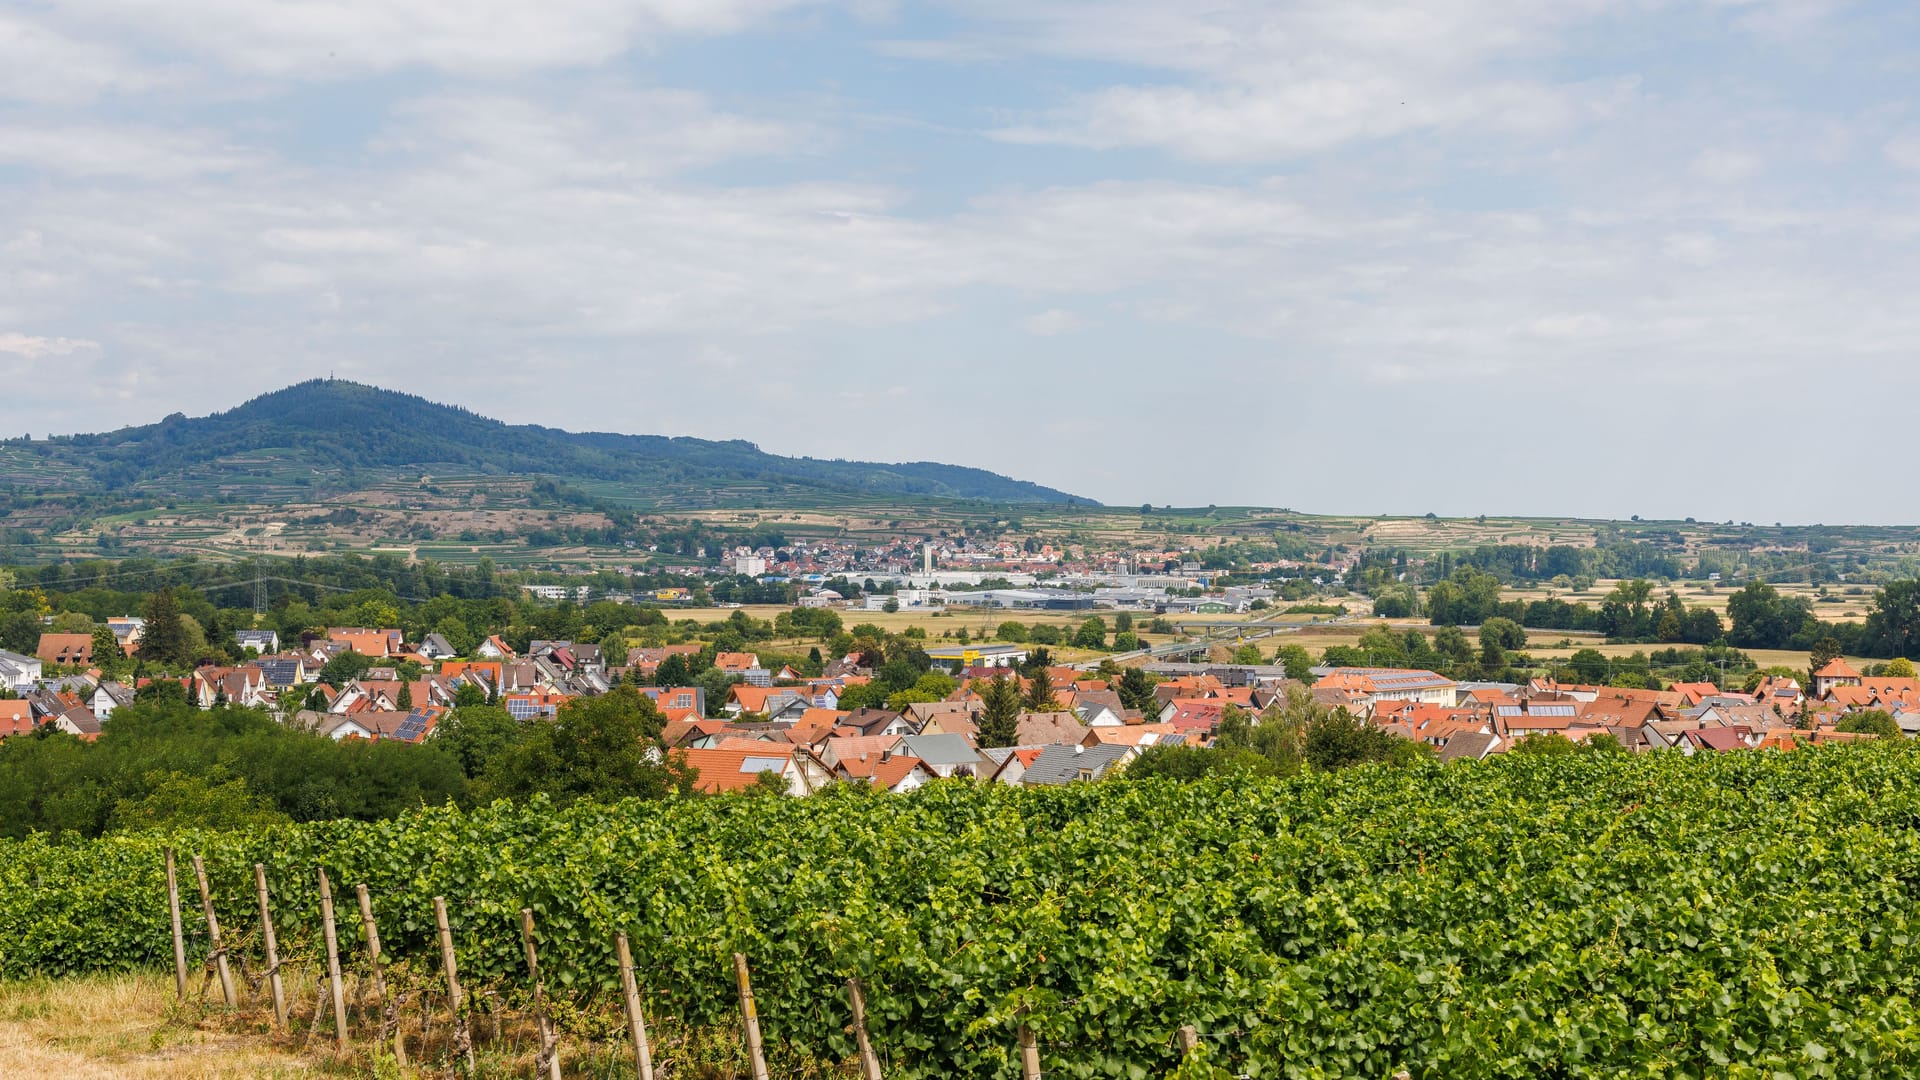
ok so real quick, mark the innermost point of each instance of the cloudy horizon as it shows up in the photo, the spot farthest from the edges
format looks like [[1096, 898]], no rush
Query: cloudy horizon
[[1595, 258]]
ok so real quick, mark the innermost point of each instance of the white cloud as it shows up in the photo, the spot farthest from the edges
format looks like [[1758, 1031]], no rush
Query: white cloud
[[43, 66], [328, 39], [1904, 151], [598, 136], [1463, 210], [1259, 81], [146, 153], [31, 347], [1051, 323], [1722, 166]]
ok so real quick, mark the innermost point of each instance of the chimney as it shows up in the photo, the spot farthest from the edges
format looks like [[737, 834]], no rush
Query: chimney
[[886, 756]]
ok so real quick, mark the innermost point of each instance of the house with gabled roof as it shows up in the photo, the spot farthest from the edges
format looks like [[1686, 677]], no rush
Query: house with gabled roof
[[836, 748], [243, 685], [1718, 739], [1472, 746], [1101, 708], [376, 643], [16, 717], [66, 649], [1536, 718], [813, 725], [735, 663], [264, 642], [75, 719], [1077, 763], [742, 698], [128, 630], [1619, 712], [19, 672], [871, 721], [1141, 736], [647, 659], [1202, 715], [693, 734], [886, 770], [282, 672], [942, 717], [107, 696], [738, 770], [535, 702], [678, 701], [1692, 694], [1836, 672], [944, 755], [1008, 764], [1046, 729]]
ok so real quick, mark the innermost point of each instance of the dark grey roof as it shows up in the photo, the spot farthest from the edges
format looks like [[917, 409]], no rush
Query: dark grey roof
[[940, 749], [1061, 764], [278, 673]]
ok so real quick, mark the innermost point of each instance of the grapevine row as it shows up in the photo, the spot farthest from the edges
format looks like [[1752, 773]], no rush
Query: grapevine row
[[1723, 915]]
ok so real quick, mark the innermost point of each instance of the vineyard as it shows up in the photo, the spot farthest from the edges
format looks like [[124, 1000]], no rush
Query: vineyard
[[1746, 914]]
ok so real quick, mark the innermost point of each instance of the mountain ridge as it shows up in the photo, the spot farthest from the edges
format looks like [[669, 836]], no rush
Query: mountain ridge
[[342, 425]]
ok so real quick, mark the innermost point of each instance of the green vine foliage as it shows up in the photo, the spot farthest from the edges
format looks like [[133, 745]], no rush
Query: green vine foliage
[[1737, 915]]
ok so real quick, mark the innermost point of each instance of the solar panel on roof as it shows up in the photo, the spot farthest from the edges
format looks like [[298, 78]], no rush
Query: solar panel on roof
[[413, 728], [762, 764]]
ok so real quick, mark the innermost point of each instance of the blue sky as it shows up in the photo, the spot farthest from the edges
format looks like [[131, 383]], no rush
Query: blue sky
[[1598, 257]]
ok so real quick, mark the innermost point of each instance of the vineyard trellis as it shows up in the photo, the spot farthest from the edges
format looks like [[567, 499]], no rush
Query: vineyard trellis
[[1728, 915]]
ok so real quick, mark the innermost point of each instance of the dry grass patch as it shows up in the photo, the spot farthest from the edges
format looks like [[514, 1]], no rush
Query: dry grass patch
[[126, 1027]]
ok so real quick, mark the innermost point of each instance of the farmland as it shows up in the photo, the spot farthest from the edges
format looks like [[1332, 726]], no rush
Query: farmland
[[1652, 915], [1831, 603]]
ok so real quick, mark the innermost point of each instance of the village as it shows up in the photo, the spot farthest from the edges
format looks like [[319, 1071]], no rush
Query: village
[[749, 725]]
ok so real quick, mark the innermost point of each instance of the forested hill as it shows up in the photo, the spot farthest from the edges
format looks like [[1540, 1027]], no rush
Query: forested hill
[[330, 426]]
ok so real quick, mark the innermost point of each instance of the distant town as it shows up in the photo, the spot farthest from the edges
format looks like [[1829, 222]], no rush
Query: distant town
[[798, 665]]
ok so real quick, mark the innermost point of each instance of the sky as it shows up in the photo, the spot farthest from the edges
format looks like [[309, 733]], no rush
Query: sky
[[1586, 257]]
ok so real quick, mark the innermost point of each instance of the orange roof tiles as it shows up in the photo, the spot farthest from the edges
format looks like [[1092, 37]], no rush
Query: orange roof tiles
[[726, 770], [1836, 668]]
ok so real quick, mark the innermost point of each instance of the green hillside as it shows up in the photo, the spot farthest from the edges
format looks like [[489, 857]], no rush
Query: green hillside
[[329, 429]]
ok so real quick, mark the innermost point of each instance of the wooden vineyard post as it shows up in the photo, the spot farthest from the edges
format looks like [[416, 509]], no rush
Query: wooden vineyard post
[[333, 961], [379, 975], [267, 938], [179, 936], [636, 1022], [750, 1016], [1029, 1054], [462, 1040], [549, 1044], [869, 1064], [1189, 1039], [213, 935]]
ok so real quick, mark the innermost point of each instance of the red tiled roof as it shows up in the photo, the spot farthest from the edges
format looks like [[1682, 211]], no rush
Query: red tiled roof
[[1836, 668], [726, 770]]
